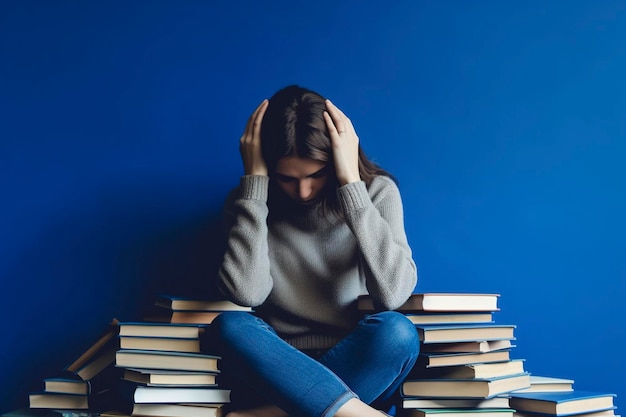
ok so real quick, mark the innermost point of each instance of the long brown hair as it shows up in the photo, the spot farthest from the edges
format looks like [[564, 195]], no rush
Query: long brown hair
[[293, 125]]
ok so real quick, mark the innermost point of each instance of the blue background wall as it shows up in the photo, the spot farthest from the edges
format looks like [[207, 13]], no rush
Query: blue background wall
[[504, 122]]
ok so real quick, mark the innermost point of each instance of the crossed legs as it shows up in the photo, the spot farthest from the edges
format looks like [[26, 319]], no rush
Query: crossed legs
[[270, 378]]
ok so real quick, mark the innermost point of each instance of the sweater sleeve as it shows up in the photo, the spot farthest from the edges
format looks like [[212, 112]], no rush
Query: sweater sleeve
[[244, 275], [377, 222]]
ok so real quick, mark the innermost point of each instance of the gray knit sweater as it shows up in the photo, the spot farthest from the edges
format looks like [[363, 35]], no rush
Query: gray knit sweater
[[303, 272]]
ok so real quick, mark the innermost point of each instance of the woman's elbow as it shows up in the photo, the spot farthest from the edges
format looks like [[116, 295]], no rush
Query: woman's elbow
[[244, 296]]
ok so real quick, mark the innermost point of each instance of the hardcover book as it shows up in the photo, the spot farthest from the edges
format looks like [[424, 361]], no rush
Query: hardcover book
[[176, 395], [419, 402], [156, 377], [175, 410], [66, 386], [152, 359], [468, 347], [58, 401], [173, 302], [172, 344], [562, 403], [429, 360], [450, 318], [183, 316], [98, 356], [150, 329], [465, 388], [458, 412], [465, 333], [548, 384], [451, 302], [472, 370]]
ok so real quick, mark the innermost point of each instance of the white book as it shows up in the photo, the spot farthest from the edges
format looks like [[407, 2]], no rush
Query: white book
[[548, 384], [158, 395]]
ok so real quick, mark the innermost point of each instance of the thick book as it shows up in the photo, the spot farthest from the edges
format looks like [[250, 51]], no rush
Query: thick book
[[458, 412], [429, 360], [465, 388], [482, 346], [98, 356], [548, 384], [562, 403], [465, 333], [473, 370], [155, 377], [419, 402], [450, 318], [450, 302], [103, 362], [176, 410], [183, 316], [58, 401], [178, 395], [173, 302], [66, 386], [151, 329], [152, 359], [171, 344]]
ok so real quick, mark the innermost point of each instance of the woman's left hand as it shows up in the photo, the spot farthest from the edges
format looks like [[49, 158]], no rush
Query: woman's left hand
[[345, 144]]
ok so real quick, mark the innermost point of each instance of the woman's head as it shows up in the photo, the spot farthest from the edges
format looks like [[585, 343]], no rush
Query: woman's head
[[293, 125], [296, 146], [294, 133]]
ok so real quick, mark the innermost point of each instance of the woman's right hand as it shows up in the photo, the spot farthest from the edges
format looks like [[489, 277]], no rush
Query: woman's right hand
[[250, 143]]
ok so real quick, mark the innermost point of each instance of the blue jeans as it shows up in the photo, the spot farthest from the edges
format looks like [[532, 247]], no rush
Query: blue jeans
[[260, 368]]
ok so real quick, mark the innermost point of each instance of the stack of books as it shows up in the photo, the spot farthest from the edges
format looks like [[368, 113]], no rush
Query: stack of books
[[556, 397], [88, 382], [465, 364], [153, 367], [163, 367], [465, 367], [166, 370]]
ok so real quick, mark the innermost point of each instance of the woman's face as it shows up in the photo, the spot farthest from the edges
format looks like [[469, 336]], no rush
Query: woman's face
[[302, 179]]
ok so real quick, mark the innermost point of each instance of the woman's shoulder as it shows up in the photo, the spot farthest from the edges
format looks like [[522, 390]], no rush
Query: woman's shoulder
[[383, 190], [382, 184]]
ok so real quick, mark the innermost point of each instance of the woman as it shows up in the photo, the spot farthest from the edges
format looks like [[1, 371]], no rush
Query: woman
[[312, 225]]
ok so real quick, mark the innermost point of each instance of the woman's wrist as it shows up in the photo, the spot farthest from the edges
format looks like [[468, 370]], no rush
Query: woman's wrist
[[254, 187]]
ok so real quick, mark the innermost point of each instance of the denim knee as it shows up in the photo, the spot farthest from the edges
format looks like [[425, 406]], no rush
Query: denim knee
[[228, 329], [229, 322], [395, 331]]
